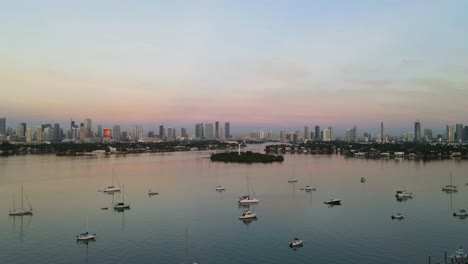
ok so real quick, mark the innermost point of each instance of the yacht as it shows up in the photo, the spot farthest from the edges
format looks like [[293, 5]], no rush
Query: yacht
[[247, 215], [296, 243], [246, 199], [459, 258], [21, 211], [86, 236], [461, 213], [398, 216], [403, 194], [333, 202]]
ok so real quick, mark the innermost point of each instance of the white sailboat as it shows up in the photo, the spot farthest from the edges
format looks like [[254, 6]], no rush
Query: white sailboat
[[219, 188], [247, 199], [120, 206], [293, 179], [21, 211], [113, 188], [86, 236], [450, 188]]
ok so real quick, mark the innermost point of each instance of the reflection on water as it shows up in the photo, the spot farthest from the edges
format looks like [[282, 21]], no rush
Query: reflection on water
[[63, 191]]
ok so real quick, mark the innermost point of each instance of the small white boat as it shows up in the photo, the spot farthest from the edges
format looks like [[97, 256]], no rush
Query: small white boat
[[296, 243], [402, 194], [461, 213], [86, 236], [309, 188], [333, 202], [220, 188], [398, 216], [247, 215], [363, 179], [292, 180], [246, 199], [460, 257], [120, 206]]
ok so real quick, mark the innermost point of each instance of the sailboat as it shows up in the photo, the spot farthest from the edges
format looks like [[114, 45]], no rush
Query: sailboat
[[86, 236], [247, 199], [21, 211], [112, 188], [293, 179], [450, 188], [120, 206]]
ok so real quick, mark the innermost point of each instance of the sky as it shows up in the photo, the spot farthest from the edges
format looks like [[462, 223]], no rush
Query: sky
[[258, 64]]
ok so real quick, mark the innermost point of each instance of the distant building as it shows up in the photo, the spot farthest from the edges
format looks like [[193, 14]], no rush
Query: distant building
[[332, 134], [116, 133], [270, 135], [161, 132], [428, 134], [306, 132], [99, 132], [410, 137], [458, 132], [3, 125], [465, 133], [351, 134], [283, 136], [183, 132], [88, 126], [221, 132], [169, 133], [38, 134], [317, 133], [137, 133], [57, 136], [209, 131], [20, 130], [254, 135], [383, 138], [417, 131], [217, 130], [199, 131], [227, 130], [28, 134], [261, 135], [450, 133], [326, 135], [312, 135]]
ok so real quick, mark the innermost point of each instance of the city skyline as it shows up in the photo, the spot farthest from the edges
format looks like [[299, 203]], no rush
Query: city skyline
[[281, 64]]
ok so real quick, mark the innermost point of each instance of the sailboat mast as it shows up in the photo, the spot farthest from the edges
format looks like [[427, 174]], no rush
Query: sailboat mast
[[123, 194], [248, 187], [14, 204], [87, 225], [22, 207]]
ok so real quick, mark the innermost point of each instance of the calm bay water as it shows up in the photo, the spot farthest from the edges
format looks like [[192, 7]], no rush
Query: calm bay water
[[64, 192]]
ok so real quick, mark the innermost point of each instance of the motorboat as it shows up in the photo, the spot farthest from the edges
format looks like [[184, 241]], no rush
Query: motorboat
[[461, 213], [333, 202], [151, 193], [247, 215], [309, 188], [296, 243], [292, 180], [21, 211], [398, 216], [363, 179], [459, 258], [246, 199], [220, 188], [403, 194]]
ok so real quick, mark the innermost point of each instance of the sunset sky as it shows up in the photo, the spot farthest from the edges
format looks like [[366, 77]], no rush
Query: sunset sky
[[257, 64]]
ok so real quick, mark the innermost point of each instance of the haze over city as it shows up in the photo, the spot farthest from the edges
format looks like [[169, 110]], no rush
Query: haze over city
[[272, 65]]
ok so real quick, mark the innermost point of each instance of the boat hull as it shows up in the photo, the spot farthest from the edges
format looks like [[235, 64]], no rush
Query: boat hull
[[20, 213]]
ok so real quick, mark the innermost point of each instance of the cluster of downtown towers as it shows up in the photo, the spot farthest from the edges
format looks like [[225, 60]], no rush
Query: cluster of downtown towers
[[83, 132]]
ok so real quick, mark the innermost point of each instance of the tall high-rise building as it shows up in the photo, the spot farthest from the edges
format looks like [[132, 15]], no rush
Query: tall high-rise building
[[227, 130], [261, 135], [99, 131], [283, 136], [312, 135], [410, 137], [38, 134], [332, 133], [183, 132], [137, 133], [209, 130], [458, 132], [56, 135], [21, 129], [326, 135], [383, 138], [450, 133], [306, 132], [270, 135], [161, 132], [116, 133], [28, 134], [221, 132], [3, 125], [351, 134], [88, 126], [254, 135], [417, 131], [216, 129], [199, 131], [169, 133], [465, 133], [428, 134], [317, 133]]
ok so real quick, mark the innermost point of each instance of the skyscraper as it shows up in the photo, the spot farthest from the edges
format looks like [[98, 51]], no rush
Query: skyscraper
[[169, 133], [417, 131], [458, 132], [38, 134], [116, 133], [99, 131], [221, 132], [283, 136], [216, 129], [261, 135], [270, 135], [183, 132], [428, 134], [227, 130], [306, 132], [209, 129], [465, 133], [450, 133], [161, 132], [20, 129], [28, 134], [88, 127], [351, 134], [199, 131], [317, 132], [383, 138], [326, 135], [56, 135], [2, 125]]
